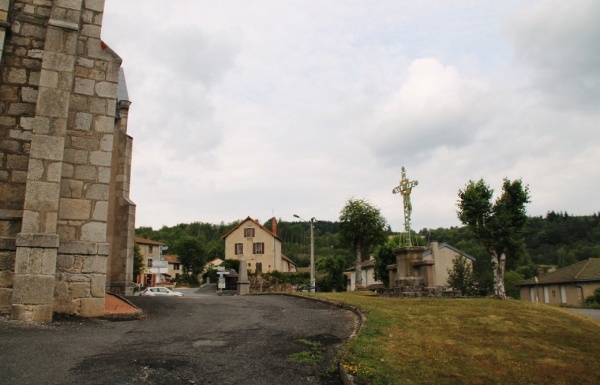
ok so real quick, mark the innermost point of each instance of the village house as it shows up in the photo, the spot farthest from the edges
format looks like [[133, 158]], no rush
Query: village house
[[257, 246], [174, 269], [368, 276], [567, 286], [66, 220], [417, 268], [155, 268]]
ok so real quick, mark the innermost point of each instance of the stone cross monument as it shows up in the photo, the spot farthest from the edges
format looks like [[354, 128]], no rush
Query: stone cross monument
[[405, 189]]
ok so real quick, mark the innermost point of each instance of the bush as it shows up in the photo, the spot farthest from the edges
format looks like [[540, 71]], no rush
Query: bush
[[593, 300]]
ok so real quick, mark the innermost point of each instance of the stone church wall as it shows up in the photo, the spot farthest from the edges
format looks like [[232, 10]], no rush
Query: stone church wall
[[65, 161]]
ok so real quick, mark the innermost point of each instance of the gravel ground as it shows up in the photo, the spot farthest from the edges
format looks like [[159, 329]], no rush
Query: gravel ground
[[189, 340]]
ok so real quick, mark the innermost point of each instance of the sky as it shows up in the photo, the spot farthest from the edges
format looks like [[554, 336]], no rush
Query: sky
[[273, 108]]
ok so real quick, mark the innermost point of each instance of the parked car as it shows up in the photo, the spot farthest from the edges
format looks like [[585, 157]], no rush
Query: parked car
[[161, 291]]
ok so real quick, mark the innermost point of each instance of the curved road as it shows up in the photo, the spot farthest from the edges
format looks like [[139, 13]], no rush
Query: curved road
[[197, 339]]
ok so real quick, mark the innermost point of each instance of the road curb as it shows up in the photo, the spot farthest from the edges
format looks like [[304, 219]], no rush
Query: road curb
[[346, 377]]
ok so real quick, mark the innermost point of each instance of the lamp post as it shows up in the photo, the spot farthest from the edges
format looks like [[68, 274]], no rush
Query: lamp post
[[312, 252]]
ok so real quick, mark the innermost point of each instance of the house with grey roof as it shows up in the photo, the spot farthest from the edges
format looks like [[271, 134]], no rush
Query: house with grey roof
[[568, 286]]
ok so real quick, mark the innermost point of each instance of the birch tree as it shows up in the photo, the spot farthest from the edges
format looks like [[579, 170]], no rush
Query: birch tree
[[499, 227]]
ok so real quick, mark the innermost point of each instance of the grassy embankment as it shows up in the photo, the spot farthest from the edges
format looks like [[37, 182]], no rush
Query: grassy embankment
[[470, 341]]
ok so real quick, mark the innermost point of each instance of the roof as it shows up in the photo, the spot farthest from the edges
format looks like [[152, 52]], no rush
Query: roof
[[171, 258], [371, 262], [363, 264], [288, 260], [146, 241], [254, 222], [587, 270], [122, 93], [445, 245]]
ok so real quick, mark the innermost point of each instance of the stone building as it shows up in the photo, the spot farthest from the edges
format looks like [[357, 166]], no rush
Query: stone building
[[66, 221], [424, 267]]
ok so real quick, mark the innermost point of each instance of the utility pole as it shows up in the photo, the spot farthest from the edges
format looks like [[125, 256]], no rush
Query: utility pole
[[312, 251]]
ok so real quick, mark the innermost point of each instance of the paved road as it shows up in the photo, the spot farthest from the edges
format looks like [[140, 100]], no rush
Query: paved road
[[594, 313], [200, 339]]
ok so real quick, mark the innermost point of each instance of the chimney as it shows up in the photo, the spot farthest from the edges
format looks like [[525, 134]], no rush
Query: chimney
[[274, 225]]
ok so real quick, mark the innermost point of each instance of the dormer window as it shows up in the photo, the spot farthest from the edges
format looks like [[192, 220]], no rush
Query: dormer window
[[249, 232]]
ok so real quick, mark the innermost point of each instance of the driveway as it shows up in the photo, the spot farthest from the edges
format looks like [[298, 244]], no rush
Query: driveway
[[202, 339]]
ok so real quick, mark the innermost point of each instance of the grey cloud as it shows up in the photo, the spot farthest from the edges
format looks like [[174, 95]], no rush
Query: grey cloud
[[434, 108], [558, 42]]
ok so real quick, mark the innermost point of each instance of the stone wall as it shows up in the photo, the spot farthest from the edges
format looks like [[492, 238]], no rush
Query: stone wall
[[64, 162]]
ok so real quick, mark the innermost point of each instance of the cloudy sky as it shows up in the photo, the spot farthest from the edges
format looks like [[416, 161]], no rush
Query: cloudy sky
[[270, 107]]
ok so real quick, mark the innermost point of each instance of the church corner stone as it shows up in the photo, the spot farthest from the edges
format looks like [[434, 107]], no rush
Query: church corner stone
[[66, 220]]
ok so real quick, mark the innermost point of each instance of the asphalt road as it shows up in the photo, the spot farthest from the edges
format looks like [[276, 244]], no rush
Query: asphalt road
[[197, 339]]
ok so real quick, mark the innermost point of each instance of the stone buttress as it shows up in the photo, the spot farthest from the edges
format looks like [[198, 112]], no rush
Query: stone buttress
[[64, 162]]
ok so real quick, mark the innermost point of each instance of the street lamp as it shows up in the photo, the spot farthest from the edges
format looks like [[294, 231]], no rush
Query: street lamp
[[312, 251]]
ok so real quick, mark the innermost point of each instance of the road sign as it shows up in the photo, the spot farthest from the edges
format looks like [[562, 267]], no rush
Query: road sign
[[160, 264]]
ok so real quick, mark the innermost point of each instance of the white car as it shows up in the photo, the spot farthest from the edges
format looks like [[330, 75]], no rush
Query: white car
[[161, 291]]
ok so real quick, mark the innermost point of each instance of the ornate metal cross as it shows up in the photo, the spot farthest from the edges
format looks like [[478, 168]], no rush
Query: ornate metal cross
[[405, 189]]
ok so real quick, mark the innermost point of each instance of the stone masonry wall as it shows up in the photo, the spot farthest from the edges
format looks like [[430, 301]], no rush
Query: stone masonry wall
[[58, 99]]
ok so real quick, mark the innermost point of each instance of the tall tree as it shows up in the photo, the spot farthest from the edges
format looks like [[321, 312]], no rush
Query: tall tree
[[499, 226], [362, 226], [191, 255]]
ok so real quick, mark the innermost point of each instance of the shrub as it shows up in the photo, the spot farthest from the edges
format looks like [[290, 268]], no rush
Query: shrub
[[593, 300]]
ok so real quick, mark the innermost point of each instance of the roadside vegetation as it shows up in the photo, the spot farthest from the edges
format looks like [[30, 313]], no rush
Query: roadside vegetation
[[469, 341]]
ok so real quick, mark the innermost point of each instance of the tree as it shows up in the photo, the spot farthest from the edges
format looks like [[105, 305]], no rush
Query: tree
[[138, 261], [191, 256], [334, 266], [460, 277], [498, 227], [511, 278], [384, 256], [362, 226]]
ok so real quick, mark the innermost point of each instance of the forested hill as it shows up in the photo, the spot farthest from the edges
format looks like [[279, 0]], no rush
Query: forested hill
[[556, 239]]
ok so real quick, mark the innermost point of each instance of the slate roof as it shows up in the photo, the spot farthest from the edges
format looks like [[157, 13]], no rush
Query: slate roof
[[122, 93], [445, 245], [587, 270]]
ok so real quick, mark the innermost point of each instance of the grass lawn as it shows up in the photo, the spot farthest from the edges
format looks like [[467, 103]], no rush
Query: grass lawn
[[470, 341]]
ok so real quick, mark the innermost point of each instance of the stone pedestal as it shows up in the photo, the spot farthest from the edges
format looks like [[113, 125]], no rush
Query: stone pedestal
[[426, 267], [406, 258], [243, 284]]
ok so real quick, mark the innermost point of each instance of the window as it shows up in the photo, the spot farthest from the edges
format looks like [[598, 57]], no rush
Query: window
[[563, 294], [149, 262], [239, 248], [259, 267], [176, 266], [258, 248], [249, 232], [149, 249]]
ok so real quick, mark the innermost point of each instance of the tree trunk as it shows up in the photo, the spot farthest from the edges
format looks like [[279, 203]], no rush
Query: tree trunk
[[358, 285], [499, 266]]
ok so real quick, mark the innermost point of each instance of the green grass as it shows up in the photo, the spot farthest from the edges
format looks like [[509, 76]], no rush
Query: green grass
[[470, 341], [307, 357]]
